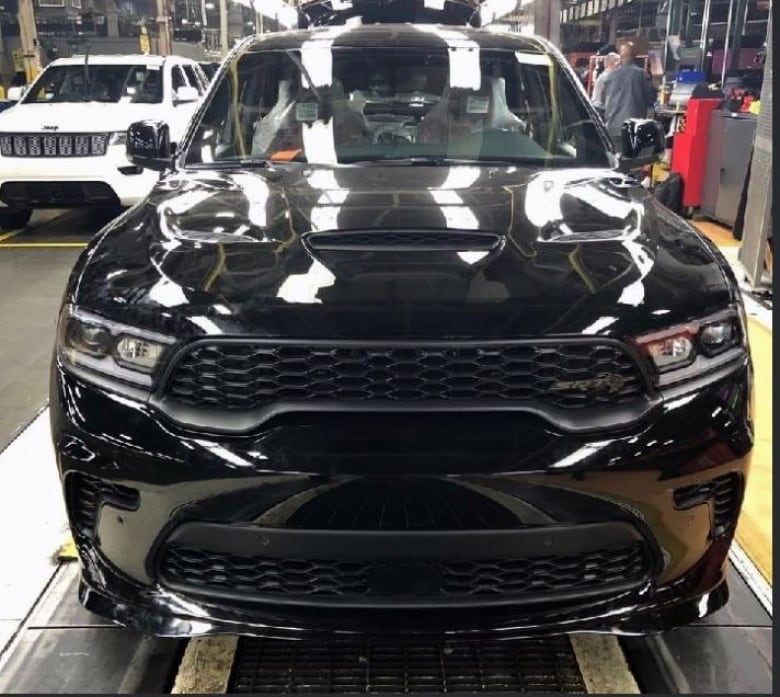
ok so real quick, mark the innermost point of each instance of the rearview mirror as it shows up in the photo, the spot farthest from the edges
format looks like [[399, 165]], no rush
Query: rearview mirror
[[186, 94], [149, 145]]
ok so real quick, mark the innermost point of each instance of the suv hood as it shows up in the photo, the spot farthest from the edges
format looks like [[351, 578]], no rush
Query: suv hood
[[537, 253], [75, 117]]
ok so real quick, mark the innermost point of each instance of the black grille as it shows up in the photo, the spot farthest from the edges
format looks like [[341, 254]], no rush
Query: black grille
[[286, 667], [519, 579], [87, 493], [403, 240], [246, 376], [725, 493], [57, 194], [53, 145], [369, 504]]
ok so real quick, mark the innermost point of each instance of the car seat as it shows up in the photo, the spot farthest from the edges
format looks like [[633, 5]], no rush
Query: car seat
[[461, 112]]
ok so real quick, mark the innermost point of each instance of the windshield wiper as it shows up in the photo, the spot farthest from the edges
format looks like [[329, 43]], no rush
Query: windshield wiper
[[447, 161], [243, 163]]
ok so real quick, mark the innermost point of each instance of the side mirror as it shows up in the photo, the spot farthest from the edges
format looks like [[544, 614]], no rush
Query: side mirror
[[14, 94], [641, 134], [186, 94], [149, 145]]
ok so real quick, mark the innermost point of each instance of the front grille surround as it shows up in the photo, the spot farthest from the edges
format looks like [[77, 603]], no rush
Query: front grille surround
[[53, 144], [246, 375]]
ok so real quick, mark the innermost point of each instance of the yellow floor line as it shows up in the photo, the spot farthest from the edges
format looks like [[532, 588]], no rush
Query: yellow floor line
[[206, 665], [603, 665], [27, 245]]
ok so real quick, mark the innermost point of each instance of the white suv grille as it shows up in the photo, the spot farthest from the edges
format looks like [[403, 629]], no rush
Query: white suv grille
[[51, 145]]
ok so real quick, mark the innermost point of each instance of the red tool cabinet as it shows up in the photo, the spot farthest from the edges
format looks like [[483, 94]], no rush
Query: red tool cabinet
[[689, 148]]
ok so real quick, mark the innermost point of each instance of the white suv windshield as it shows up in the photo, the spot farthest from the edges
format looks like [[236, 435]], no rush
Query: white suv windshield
[[375, 104], [135, 84]]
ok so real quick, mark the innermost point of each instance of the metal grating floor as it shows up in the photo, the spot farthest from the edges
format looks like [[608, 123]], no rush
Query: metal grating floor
[[289, 667]]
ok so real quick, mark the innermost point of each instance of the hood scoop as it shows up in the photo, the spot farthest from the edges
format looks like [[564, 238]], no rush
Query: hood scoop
[[403, 241]]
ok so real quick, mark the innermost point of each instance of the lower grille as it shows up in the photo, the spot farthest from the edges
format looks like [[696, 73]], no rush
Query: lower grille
[[519, 580], [725, 494], [53, 145], [57, 193], [87, 493], [249, 375], [264, 666]]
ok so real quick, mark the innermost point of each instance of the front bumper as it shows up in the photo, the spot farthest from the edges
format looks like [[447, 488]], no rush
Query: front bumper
[[229, 499], [64, 182]]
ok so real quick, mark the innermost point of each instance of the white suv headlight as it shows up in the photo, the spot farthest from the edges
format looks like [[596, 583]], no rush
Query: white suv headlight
[[118, 138], [97, 345]]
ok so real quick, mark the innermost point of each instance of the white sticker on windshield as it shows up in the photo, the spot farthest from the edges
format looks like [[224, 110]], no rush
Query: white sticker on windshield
[[477, 105], [464, 67], [306, 111], [533, 58]]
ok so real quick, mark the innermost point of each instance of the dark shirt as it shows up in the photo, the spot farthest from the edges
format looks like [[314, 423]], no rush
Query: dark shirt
[[627, 93]]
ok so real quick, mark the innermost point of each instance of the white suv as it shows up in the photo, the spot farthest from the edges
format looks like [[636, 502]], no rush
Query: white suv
[[63, 144]]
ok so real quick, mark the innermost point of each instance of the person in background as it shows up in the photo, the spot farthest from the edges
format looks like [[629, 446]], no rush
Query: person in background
[[611, 62], [627, 93], [581, 68]]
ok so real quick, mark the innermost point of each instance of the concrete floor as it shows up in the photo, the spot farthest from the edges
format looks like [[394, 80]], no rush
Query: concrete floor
[[28, 330], [56, 646]]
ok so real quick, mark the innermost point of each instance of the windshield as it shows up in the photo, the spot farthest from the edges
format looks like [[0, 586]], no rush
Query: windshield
[[127, 84], [329, 105]]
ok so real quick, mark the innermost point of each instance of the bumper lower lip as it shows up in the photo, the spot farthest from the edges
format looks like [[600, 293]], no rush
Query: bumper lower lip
[[168, 614]]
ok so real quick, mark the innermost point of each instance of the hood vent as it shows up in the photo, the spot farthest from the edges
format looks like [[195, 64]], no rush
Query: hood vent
[[403, 241]]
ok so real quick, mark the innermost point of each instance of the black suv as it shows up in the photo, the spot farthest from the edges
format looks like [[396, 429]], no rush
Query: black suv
[[393, 345]]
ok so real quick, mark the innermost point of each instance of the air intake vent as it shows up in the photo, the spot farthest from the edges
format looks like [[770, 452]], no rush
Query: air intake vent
[[87, 493], [725, 495], [380, 582], [403, 241]]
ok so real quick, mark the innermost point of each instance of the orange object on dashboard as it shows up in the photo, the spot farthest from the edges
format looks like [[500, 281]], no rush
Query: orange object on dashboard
[[285, 155]]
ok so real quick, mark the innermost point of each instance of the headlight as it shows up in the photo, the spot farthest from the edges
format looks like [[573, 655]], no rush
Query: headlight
[[118, 138], [114, 350], [686, 350]]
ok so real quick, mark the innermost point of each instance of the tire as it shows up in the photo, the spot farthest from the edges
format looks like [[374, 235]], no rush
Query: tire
[[11, 218]]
